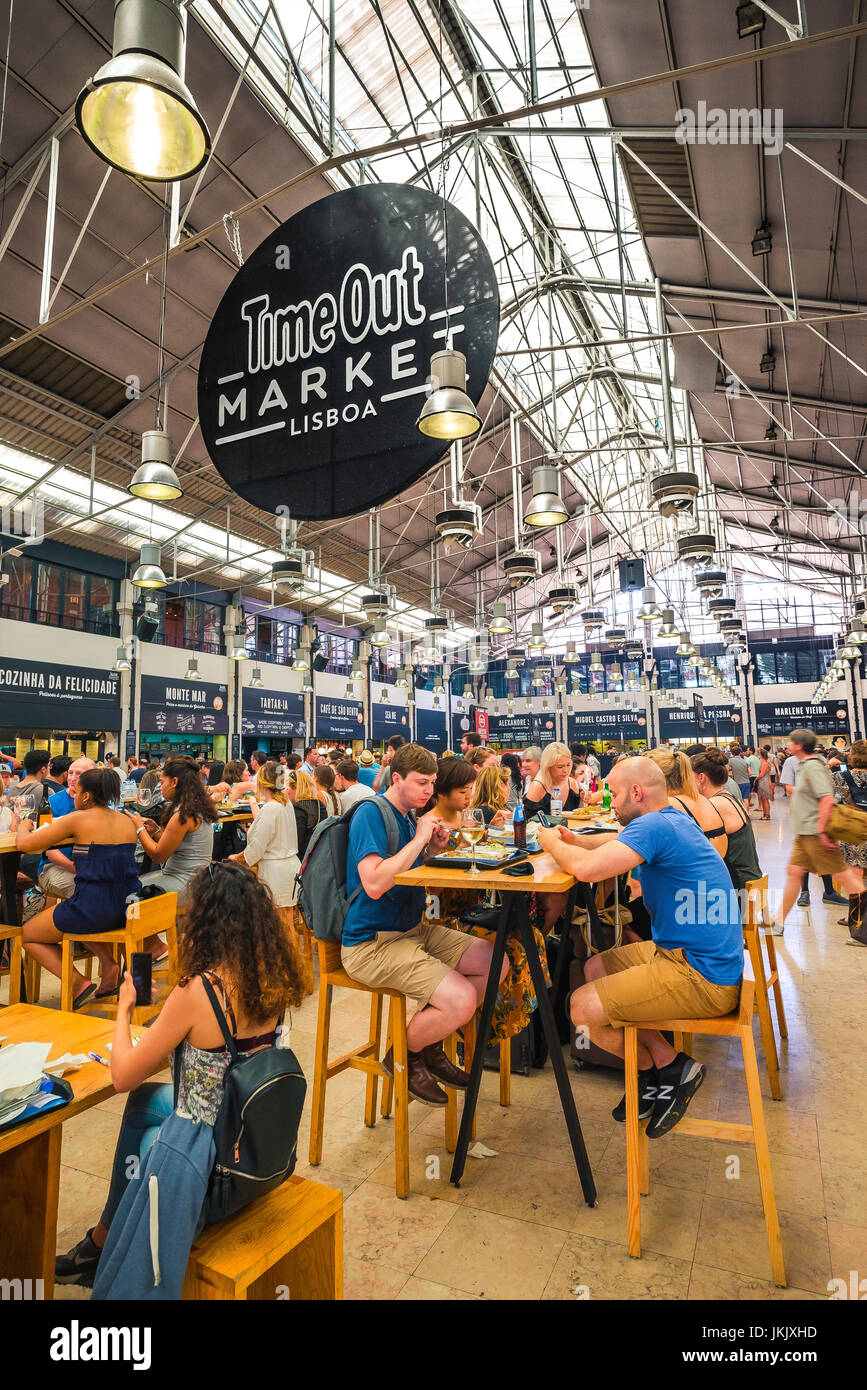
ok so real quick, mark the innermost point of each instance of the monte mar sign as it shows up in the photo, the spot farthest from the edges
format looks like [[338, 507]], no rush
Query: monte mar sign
[[317, 360]]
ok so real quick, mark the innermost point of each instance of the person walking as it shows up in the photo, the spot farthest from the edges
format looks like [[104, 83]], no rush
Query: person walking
[[850, 783], [814, 852]]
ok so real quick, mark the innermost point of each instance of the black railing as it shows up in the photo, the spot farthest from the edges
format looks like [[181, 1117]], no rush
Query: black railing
[[100, 623]]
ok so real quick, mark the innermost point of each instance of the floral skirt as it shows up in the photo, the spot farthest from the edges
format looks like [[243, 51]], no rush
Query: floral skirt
[[516, 1000]]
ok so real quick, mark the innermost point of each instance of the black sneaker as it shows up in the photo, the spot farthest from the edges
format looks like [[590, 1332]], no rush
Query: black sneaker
[[804, 899], [834, 897], [677, 1084], [78, 1265], [648, 1085]]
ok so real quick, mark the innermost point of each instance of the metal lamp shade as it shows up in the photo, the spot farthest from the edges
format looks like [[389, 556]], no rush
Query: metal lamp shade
[[685, 647], [256, 678], [123, 662], [648, 610], [448, 412], [192, 672], [149, 574], [546, 506], [668, 628], [155, 479], [537, 638], [136, 112], [380, 637], [499, 624]]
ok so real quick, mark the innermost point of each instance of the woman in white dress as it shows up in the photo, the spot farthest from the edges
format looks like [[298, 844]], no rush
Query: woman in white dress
[[272, 848]]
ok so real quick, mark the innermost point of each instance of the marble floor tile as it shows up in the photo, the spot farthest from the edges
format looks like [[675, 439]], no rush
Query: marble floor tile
[[732, 1236], [396, 1232], [492, 1256], [723, 1286], [597, 1270]]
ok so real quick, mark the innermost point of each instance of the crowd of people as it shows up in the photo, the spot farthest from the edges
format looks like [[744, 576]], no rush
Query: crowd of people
[[682, 830]]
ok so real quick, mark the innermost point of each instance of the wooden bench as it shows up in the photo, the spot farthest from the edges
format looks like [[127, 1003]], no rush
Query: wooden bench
[[287, 1245]]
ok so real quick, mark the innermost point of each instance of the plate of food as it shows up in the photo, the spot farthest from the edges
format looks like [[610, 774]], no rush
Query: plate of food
[[488, 856]]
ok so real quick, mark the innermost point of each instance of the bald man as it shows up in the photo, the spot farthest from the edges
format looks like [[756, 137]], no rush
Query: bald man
[[691, 968]]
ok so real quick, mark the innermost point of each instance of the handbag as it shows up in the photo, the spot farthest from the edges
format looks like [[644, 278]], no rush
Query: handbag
[[848, 824]]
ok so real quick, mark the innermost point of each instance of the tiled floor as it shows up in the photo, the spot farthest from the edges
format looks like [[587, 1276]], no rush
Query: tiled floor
[[518, 1228]]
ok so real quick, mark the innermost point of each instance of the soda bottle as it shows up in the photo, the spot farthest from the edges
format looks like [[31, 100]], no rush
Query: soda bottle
[[520, 827], [606, 797]]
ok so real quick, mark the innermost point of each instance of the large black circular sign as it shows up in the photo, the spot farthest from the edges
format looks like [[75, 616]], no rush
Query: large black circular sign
[[317, 361]]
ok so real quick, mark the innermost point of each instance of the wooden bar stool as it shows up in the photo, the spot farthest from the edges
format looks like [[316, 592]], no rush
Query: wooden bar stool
[[365, 1058], [14, 936], [737, 1024], [143, 919], [758, 915]]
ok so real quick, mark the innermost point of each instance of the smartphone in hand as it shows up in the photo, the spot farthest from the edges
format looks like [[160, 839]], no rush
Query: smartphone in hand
[[142, 976]]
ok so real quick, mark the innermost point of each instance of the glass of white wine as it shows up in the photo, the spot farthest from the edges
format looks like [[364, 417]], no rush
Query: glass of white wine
[[473, 830]]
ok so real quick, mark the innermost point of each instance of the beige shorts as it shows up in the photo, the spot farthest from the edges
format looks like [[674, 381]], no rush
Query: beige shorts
[[644, 982], [57, 882], [810, 854], [415, 962]]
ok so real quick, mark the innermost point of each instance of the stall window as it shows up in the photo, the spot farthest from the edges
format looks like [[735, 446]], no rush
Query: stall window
[[192, 624], [74, 599], [766, 668], [16, 596], [785, 668], [101, 606], [48, 589], [212, 640], [173, 633]]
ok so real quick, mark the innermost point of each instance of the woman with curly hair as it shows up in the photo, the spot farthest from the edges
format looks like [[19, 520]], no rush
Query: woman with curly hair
[[233, 934]]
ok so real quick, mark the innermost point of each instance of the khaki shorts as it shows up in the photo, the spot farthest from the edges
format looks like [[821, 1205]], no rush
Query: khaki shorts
[[810, 854], [57, 882], [415, 962], [644, 982]]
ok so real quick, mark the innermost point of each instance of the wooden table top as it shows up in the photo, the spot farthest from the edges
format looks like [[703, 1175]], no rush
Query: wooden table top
[[548, 877], [69, 1032]]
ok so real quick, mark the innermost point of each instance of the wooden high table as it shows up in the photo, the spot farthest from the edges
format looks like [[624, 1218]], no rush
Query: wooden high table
[[30, 1152], [547, 878]]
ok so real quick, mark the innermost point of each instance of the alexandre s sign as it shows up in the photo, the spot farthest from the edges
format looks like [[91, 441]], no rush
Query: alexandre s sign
[[316, 363]]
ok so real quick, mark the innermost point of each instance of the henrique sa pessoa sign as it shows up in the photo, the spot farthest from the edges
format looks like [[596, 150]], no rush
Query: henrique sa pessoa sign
[[317, 361]]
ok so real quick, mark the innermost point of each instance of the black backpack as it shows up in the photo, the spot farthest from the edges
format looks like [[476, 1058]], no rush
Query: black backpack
[[256, 1129], [857, 793]]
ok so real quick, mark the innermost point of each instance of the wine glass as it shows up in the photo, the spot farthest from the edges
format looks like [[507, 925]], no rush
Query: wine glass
[[145, 797], [473, 830]]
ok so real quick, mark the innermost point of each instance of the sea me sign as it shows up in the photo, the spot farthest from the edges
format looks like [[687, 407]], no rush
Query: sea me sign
[[317, 361]]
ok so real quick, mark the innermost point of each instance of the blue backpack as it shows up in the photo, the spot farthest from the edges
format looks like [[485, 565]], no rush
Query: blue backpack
[[322, 876]]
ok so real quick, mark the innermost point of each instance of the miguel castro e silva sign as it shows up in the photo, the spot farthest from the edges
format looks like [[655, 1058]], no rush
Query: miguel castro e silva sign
[[317, 361]]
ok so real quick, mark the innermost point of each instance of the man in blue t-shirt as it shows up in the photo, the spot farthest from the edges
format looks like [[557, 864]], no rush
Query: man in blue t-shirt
[[387, 941], [691, 968], [56, 876]]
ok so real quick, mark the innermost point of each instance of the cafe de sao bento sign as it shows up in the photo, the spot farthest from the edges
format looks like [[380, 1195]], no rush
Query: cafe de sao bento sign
[[317, 360]]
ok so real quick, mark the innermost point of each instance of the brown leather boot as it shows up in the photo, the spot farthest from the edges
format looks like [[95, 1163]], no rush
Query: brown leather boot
[[420, 1083], [445, 1071]]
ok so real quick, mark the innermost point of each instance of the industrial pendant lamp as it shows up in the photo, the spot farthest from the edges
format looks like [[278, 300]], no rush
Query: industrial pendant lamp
[[383, 699], [123, 662], [468, 693], [255, 681], [668, 628], [192, 672], [499, 624], [537, 638], [136, 112], [380, 637], [239, 648], [685, 647], [596, 665], [155, 480], [546, 507], [149, 574], [302, 659], [403, 680], [448, 412], [307, 687], [489, 696], [648, 612]]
